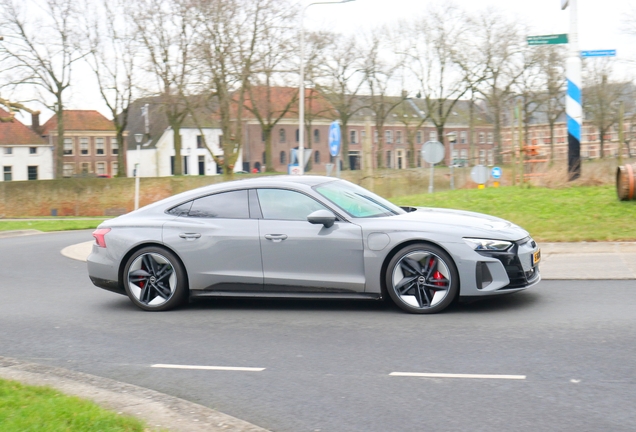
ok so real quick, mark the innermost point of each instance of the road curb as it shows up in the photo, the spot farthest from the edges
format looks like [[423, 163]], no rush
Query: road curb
[[18, 233], [158, 410]]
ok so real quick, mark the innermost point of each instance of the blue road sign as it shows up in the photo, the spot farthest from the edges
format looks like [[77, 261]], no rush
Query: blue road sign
[[496, 173], [599, 53], [334, 139]]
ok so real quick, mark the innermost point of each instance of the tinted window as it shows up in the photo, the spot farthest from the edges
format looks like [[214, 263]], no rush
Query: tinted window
[[181, 210], [286, 205], [231, 205]]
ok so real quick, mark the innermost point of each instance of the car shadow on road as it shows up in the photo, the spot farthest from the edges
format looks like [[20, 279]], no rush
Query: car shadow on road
[[502, 303]]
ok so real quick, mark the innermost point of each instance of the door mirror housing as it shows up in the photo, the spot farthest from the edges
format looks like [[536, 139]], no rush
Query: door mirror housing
[[322, 217]]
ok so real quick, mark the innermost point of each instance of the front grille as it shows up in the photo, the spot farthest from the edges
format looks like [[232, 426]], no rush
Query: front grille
[[510, 260]]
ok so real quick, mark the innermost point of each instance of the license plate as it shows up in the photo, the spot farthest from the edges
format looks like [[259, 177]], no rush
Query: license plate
[[536, 257]]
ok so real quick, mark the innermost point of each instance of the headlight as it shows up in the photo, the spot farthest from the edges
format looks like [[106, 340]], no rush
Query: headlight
[[488, 245]]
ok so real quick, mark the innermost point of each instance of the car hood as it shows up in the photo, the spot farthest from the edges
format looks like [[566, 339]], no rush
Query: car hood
[[462, 223]]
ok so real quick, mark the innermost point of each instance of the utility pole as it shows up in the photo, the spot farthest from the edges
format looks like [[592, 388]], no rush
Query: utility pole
[[573, 104], [621, 114]]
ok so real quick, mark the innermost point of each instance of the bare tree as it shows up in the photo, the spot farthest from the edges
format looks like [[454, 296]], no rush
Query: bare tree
[[552, 67], [380, 74], [269, 98], [497, 46], [166, 32], [341, 81], [113, 51], [435, 59], [229, 34], [412, 118], [43, 52], [601, 96]]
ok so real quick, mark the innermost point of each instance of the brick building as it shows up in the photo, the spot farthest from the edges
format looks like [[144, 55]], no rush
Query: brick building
[[90, 143]]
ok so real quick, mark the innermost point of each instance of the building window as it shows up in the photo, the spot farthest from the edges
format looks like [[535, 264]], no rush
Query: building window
[[281, 136], [68, 146], [114, 166], [363, 135], [462, 137], [419, 137], [32, 172], [264, 158], [388, 135], [68, 170], [100, 168], [7, 172], [482, 157], [114, 146], [316, 136], [85, 167], [482, 138], [84, 147], [491, 157], [398, 137], [297, 135], [283, 157], [464, 155], [388, 159], [199, 141], [432, 136], [375, 136], [99, 146], [317, 157], [489, 137], [8, 150], [33, 150], [353, 137], [263, 136]]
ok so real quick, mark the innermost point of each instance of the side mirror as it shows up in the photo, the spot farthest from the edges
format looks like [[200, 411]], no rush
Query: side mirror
[[322, 217]]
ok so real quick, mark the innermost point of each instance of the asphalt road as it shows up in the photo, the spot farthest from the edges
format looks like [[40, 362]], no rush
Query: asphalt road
[[327, 364]]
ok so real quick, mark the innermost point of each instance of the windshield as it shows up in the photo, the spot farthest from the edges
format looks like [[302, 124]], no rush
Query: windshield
[[356, 201]]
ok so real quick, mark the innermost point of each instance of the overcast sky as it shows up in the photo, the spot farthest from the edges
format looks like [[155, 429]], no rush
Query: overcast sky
[[600, 23]]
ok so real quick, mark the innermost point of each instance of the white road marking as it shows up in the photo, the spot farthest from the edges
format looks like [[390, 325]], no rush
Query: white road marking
[[447, 375], [218, 368]]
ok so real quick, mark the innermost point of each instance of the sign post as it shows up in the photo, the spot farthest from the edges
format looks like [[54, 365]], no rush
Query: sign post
[[495, 173], [432, 152]]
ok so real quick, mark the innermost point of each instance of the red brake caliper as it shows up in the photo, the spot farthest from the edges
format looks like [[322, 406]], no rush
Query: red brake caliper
[[438, 276]]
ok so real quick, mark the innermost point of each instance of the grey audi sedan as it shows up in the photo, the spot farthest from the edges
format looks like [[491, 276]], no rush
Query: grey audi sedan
[[307, 237]]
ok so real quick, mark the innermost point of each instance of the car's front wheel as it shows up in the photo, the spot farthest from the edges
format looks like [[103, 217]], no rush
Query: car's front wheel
[[422, 278], [154, 279]]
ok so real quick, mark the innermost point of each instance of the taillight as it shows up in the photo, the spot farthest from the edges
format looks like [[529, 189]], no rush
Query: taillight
[[99, 234]]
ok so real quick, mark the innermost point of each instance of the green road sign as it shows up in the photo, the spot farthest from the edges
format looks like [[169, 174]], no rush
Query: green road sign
[[548, 39]]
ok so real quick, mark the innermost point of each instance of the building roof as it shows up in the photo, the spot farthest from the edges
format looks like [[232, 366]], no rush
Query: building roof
[[80, 120], [16, 133]]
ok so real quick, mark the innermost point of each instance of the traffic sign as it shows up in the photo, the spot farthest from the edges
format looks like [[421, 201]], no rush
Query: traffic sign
[[548, 39], [599, 53], [293, 169], [479, 174], [433, 152], [334, 139], [495, 173]]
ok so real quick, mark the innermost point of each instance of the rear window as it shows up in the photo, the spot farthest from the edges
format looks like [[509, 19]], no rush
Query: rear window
[[227, 205]]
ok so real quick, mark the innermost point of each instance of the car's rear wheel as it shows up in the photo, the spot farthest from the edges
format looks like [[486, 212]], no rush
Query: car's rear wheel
[[154, 279], [422, 278]]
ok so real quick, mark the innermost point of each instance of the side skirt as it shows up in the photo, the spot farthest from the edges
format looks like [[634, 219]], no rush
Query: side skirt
[[298, 295]]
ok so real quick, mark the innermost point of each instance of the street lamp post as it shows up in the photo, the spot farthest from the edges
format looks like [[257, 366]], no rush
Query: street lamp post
[[301, 96], [138, 138]]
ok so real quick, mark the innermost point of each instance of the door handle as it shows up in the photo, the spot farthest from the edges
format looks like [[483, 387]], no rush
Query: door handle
[[276, 237], [190, 236]]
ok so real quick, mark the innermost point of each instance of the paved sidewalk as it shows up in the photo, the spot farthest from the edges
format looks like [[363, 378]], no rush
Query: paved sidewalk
[[158, 410]]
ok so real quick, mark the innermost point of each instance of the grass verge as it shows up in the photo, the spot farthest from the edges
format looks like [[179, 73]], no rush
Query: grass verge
[[25, 408], [556, 215], [50, 225]]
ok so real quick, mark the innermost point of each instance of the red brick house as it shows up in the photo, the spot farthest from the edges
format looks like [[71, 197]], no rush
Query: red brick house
[[90, 142]]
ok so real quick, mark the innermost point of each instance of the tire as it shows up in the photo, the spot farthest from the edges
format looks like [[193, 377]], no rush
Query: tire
[[155, 280], [422, 279]]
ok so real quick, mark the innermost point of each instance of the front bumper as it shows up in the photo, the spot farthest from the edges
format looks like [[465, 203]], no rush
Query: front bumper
[[518, 263]]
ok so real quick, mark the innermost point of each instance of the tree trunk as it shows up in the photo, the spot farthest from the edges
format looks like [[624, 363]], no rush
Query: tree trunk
[[176, 139], [551, 143], [602, 139], [269, 161], [345, 145], [121, 154], [499, 156], [59, 160], [471, 132]]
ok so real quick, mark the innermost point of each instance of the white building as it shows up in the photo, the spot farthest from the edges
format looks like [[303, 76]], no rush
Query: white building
[[157, 159], [24, 155]]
